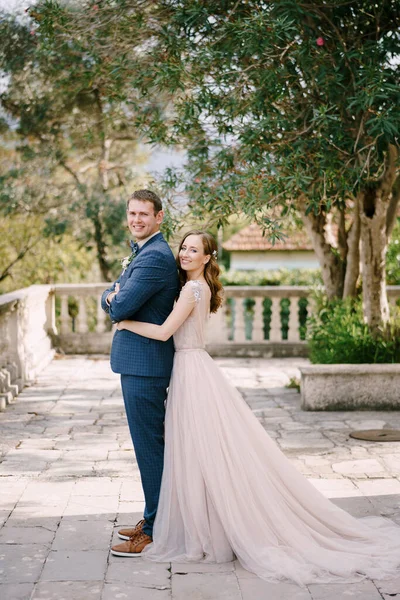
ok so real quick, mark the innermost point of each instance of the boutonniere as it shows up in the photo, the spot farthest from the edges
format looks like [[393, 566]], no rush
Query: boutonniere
[[125, 262]]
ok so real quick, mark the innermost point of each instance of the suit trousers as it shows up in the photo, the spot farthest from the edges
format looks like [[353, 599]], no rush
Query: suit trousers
[[144, 399]]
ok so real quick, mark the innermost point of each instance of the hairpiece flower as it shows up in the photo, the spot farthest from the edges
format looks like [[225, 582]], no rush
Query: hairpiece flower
[[215, 254]]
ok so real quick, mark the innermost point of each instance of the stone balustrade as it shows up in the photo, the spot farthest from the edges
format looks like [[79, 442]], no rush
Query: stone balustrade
[[257, 320], [27, 322], [83, 327], [260, 321], [253, 321]]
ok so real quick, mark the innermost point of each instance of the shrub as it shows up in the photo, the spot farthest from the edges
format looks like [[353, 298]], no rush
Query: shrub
[[336, 333], [393, 257], [277, 277]]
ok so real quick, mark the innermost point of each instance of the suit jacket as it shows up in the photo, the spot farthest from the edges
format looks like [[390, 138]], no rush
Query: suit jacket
[[148, 289]]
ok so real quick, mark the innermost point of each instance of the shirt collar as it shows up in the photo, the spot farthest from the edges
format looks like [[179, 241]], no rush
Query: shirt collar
[[141, 243]]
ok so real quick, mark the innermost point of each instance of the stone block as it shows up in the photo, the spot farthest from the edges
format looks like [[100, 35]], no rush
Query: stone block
[[16, 591], [4, 514], [391, 587], [206, 586], [336, 488], [45, 493], [91, 507], [388, 506], [379, 487], [202, 567], [26, 535], [358, 507], [257, 589], [83, 535], [364, 590], [350, 387], [139, 572], [68, 590], [75, 565], [97, 486], [366, 466], [120, 591], [242, 573], [21, 564]]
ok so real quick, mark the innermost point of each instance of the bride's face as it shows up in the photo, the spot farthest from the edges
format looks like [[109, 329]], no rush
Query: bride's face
[[191, 254]]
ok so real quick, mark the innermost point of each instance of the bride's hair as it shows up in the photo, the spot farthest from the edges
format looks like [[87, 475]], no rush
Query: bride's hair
[[211, 269]]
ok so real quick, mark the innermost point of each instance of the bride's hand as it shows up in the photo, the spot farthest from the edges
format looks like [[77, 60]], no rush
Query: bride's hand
[[121, 325]]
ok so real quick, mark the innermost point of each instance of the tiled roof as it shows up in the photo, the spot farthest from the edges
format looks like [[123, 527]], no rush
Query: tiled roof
[[251, 238]]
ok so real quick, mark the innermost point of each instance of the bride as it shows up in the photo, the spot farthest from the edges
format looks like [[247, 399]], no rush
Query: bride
[[227, 489]]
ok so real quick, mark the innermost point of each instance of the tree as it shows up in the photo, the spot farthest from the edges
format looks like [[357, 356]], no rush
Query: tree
[[28, 257], [294, 104], [281, 106], [75, 145]]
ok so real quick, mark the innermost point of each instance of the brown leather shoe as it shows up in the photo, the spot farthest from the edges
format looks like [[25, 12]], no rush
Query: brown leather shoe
[[126, 534], [133, 547]]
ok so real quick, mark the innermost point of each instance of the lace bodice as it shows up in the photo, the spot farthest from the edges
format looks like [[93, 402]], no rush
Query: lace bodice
[[191, 334]]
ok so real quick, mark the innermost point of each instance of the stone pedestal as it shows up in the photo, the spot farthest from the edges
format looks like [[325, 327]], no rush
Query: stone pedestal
[[350, 387]]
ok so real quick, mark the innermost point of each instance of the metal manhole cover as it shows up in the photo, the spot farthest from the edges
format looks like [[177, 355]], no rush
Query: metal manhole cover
[[377, 435]]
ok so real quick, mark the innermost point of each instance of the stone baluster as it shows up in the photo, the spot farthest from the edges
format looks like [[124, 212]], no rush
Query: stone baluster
[[239, 334], [217, 331], [51, 314], [258, 325], [101, 317], [81, 320], [311, 306], [65, 321], [293, 334], [275, 334]]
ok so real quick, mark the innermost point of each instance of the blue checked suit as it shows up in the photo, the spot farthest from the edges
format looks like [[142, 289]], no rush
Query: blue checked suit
[[148, 289]]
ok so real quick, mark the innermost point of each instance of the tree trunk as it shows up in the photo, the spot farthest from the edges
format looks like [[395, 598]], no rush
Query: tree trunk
[[101, 250], [373, 257], [332, 266], [376, 202], [353, 255]]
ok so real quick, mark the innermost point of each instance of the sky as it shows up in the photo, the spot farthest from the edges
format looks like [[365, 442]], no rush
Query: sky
[[11, 5]]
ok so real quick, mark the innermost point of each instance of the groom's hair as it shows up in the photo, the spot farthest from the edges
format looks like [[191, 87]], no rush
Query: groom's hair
[[146, 196]]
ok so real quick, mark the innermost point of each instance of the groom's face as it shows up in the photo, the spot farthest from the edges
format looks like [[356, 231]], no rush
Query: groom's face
[[142, 221]]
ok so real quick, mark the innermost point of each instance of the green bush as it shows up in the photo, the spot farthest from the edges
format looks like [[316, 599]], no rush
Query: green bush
[[277, 277], [393, 257], [336, 333]]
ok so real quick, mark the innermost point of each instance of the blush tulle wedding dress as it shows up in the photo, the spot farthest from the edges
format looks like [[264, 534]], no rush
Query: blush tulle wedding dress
[[227, 489]]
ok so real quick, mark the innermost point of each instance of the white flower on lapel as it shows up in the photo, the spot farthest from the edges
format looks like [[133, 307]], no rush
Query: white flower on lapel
[[125, 262]]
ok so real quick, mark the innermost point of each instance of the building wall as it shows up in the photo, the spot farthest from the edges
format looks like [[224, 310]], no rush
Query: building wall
[[275, 259]]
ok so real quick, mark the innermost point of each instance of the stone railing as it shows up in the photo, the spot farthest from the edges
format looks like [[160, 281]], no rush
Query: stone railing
[[27, 321], [260, 321], [254, 321], [265, 321], [82, 325]]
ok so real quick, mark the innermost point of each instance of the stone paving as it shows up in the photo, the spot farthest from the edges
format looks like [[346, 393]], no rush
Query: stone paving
[[68, 480]]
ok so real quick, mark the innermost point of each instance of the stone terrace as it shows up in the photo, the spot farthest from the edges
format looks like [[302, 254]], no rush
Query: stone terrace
[[68, 480]]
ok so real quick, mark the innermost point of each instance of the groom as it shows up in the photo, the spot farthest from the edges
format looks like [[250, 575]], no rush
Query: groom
[[145, 291]]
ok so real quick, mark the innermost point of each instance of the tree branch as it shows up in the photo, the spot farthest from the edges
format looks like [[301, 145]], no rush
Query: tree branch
[[7, 271]]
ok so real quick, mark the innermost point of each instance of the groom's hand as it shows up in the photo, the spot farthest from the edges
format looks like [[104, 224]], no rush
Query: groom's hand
[[112, 295]]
